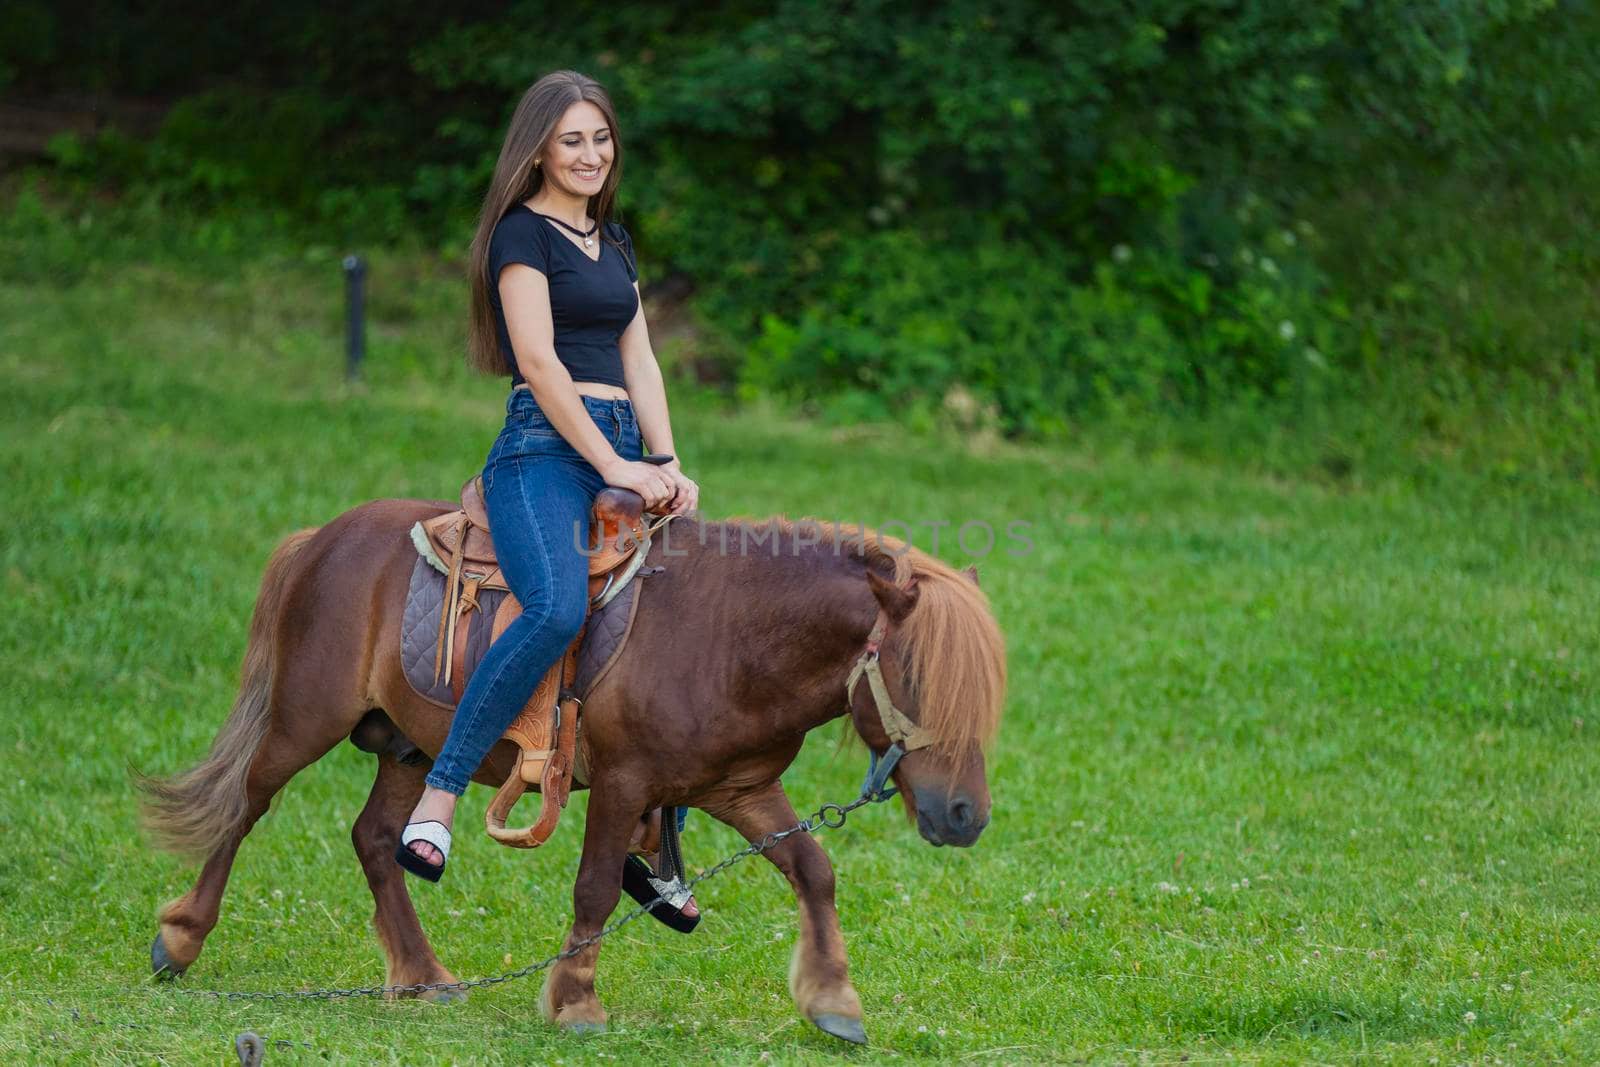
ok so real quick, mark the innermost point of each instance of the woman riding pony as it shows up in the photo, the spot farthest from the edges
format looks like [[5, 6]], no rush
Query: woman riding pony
[[555, 304]]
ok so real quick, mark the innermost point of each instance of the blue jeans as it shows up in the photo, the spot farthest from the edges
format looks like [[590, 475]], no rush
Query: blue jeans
[[539, 492]]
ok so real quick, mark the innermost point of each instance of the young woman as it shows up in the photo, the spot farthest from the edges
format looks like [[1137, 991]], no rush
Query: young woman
[[555, 305]]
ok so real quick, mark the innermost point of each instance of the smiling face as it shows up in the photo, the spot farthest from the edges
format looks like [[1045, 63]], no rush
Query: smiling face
[[578, 155]]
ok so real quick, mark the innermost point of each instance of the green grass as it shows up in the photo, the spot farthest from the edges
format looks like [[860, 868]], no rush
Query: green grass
[[1291, 770]]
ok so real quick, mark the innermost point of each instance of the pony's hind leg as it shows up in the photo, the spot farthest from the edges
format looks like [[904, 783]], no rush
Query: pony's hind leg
[[185, 922], [376, 834], [819, 979], [207, 810]]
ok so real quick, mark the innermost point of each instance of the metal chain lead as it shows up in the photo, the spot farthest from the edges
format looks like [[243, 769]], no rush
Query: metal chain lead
[[829, 816]]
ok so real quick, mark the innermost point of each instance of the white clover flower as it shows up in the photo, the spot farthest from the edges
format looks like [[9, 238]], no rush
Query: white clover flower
[[1269, 267], [1121, 253], [1470, 1017], [1286, 330]]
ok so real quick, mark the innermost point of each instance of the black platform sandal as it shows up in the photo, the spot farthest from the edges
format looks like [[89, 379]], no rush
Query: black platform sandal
[[423, 831], [664, 892]]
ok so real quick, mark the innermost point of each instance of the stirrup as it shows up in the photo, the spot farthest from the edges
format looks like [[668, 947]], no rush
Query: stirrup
[[423, 831]]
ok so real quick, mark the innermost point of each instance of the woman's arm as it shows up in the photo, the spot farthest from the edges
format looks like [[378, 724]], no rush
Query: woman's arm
[[648, 394], [646, 389]]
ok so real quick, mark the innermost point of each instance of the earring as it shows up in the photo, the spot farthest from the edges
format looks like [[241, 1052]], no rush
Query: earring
[[536, 163]]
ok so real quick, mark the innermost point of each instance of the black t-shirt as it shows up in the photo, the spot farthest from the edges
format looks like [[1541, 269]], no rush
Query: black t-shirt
[[591, 301]]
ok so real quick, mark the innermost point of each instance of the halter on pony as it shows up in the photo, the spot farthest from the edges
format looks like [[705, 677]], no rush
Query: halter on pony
[[904, 735]]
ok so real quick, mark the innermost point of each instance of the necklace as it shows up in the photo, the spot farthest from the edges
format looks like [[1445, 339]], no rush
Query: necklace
[[588, 238]]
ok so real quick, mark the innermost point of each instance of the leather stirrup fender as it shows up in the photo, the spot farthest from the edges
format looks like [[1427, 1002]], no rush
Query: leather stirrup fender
[[550, 768]]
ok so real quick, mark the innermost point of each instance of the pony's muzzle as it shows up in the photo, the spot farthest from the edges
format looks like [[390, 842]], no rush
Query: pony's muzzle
[[950, 820]]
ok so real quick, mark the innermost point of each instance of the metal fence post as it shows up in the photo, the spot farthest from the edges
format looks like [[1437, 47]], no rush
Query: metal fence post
[[355, 291]]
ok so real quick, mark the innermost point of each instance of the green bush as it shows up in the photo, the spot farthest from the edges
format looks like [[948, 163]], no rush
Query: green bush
[[908, 320]]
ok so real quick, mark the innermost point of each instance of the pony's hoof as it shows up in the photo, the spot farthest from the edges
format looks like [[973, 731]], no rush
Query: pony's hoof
[[161, 962], [843, 1027], [583, 1028], [444, 996], [249, 1047]]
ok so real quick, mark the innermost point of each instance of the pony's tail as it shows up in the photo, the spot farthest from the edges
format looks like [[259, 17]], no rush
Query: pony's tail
[[195, 813]]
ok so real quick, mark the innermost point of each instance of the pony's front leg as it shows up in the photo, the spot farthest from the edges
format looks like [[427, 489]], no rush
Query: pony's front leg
[[819, 977], [568, 998]]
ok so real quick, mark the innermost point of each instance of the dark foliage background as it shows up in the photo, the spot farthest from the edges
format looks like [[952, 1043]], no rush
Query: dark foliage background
[[1015, 217]]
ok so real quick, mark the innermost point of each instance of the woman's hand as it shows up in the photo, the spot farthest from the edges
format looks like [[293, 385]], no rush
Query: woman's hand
[[653, 483], [688, 498]]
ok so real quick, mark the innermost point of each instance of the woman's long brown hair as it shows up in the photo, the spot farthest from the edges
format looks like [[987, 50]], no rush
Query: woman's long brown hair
[[516, 178]]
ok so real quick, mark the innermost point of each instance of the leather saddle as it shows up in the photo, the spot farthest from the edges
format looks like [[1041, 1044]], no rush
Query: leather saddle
[[545, 731]]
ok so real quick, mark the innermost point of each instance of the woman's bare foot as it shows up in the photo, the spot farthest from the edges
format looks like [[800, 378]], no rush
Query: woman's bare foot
[[436, 805]]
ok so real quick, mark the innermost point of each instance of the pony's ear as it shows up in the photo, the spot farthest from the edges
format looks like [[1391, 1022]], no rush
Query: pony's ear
[[972, 573], [896, 600]]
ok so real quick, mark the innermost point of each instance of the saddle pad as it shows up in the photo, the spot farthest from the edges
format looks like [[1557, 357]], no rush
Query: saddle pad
[[603, 636], [419, 632]]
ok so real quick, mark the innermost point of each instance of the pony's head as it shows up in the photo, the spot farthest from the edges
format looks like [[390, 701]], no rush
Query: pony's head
[[942, 662]]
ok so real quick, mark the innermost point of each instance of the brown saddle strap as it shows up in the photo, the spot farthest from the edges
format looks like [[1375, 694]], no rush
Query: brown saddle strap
[[451, 610]]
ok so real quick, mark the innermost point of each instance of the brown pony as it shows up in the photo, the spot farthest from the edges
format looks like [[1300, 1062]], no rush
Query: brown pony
[[742, 645]]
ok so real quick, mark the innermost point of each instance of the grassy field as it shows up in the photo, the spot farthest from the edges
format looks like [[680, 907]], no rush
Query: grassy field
[[1291, 770]]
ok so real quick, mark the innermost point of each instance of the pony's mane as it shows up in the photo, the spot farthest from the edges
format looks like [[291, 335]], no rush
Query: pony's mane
[[953, 652]]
